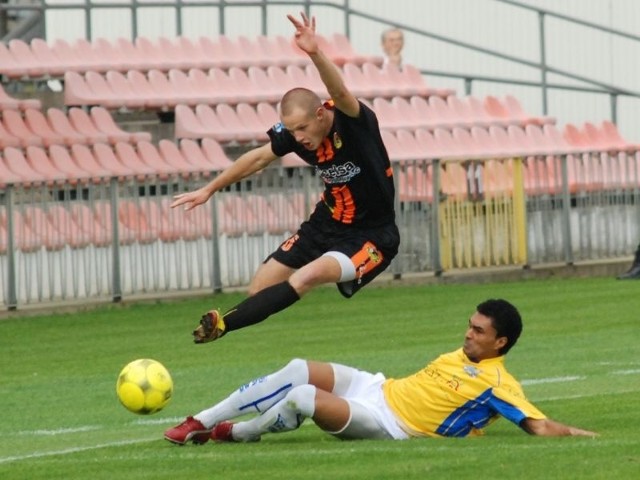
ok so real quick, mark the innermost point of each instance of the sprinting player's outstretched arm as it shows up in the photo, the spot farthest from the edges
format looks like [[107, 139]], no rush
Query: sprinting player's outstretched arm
[[305, 37], [550, 428], [247, 164]]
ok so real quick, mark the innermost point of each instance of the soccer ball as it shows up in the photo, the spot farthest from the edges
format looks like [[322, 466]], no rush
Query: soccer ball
[[144, 386]]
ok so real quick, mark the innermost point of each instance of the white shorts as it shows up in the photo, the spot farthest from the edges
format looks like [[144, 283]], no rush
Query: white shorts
[[371, 417]]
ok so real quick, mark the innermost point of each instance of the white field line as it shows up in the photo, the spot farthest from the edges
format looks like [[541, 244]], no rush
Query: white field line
[[539, 381], [626, 372], [66, 451], [60, 431]]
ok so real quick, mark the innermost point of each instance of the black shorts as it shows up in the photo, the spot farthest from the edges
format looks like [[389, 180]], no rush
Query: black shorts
[[370, 249]]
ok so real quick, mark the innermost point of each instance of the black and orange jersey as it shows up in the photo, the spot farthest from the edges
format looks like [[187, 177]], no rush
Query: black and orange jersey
[[354, 165]]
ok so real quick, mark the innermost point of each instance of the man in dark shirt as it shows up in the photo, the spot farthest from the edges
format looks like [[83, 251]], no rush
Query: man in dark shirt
[[351, 236]]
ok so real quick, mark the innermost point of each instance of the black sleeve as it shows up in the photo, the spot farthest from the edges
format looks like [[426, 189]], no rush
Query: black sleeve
[[282, 142]]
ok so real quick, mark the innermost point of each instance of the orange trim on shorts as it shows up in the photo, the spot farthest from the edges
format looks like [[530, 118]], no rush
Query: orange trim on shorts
[[366, 259]]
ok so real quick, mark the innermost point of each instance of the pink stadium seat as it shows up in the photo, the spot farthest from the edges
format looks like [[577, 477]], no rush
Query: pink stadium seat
[[357, 82], [249, 92], [102, 91], [388, 116], [134, 57], [77, 92], [202, 82], [260, 80], [92, 55], [150, 155], [48, 59], [113, 57], [468, 116], [267, 114], [215, 154], [81, 122], [60, 124], [169, 51], [272, 51], [105, 123], [9, 65], [443, 114], [233, 124], [15, 125], [85, 159], [142, 87], [225, 87], [428, 117], [21, 52], [107, 159], [342, 44], [17, 163], [172, 155], [187, 124], [6, 175], [192, 152], [134, 218], [101, 215], [121, 87], [235, 53], [278, 76], [42, 162], [410, 116], [314, 82], [128, 156], [252, 53], [63, 161], [386, 83], [215, 53], [184, 86], [26, 240], [167, 98], [7, 139], [192, 50], [37, 122], [253, 124], [213, 126]]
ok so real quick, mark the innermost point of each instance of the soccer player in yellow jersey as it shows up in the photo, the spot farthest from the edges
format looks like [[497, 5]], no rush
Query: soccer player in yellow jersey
[[455, 395]]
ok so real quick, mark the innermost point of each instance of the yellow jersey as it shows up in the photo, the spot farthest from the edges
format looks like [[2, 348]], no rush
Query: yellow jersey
[[455, 397]]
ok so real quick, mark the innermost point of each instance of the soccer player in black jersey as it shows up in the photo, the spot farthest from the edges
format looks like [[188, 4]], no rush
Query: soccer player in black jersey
[[351, 236]]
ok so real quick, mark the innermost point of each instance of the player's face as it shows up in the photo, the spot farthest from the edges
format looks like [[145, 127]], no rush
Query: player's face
[[308, 130], [481, 340]]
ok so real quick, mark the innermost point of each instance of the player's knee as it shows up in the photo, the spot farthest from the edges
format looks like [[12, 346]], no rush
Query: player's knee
[[302, 400]]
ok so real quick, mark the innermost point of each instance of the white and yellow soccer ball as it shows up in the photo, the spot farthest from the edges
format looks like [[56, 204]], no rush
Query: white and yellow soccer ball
[[144, 386]]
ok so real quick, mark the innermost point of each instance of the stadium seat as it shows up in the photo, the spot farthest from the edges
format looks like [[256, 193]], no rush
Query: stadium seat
[[215, 154], [64, 162], [172, 155], [95, 55], [267, 114], [188, 90], [21, 52], [150, 155], [10, 66], [18, 164], [192, 50], [213, 51], [121, 87], [60, 123], [36, 122], [48, 59], [234, 125], [7, 176], [259, 78], [71, 233], [166, 51], [85, 159], [165, 96], [42, 162], [106, 158], [187, 124], [82, 123], [15, 125], [7, 139], [127, 155], [253, 123], [103, 94], [192, 152], [212, 126], [105, 123]]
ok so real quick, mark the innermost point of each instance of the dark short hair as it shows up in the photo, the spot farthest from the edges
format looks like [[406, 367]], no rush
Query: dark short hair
[[505, 319]]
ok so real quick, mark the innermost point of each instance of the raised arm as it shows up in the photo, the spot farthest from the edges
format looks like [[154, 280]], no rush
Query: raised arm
[[247, 164], [305, 37], [551, 428]]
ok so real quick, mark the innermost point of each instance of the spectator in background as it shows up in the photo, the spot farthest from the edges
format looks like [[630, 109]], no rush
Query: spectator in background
[[634, 270], [392, 44]]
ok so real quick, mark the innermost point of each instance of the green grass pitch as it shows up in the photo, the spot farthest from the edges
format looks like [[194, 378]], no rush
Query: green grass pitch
[[578, 358]]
